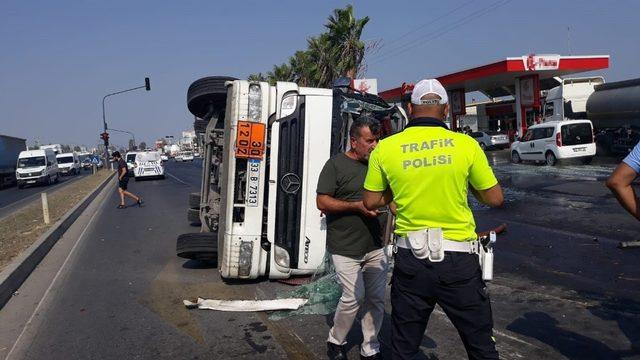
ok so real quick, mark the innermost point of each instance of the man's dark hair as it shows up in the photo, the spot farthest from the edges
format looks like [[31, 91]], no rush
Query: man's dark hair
[[116, 154], [364, 121]]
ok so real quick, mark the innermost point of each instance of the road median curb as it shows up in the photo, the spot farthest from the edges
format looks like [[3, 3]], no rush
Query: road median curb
[[12, 277]]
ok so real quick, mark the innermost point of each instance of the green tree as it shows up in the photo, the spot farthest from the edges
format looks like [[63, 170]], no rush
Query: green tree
[[336, 52], [280, 73], [257, 77], [347, 50]]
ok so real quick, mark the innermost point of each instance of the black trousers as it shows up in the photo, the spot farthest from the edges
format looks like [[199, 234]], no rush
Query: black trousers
[[456, 285]]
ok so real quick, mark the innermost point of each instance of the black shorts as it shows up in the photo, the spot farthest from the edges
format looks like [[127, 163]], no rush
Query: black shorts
[[122, 184]]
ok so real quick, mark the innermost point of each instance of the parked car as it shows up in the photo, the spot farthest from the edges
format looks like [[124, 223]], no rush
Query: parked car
[[556, 140], [178, 157], [164, 157], [148, 164], [491, 139], [37, 167], [68, 163]]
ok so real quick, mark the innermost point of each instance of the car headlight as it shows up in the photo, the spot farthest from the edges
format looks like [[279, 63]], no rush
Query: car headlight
[[244, 259], [281, 256], [255, 102], [288, 106]]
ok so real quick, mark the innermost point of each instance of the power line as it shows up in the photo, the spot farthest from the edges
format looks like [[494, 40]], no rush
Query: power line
[[428, 23], [441, 31]]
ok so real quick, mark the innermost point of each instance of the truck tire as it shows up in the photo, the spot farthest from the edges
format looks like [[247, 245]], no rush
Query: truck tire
[[193, 216], [198, 246], [194, 200], [200, 126], [206, 92]]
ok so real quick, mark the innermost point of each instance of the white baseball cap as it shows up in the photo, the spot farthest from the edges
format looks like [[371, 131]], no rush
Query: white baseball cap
[[429, 86]]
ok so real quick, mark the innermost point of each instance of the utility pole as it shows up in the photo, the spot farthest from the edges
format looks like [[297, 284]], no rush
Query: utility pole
[[105, 135]]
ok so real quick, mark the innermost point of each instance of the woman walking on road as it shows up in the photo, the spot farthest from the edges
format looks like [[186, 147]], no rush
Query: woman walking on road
[[123, 180]]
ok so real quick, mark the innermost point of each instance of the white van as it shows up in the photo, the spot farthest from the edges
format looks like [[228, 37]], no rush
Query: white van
[[556, 140], [148, 164], [37, 167], [68, 163], [130, 159]]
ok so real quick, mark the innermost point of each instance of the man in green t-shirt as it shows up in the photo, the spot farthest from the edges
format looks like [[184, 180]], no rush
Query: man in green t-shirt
[[427, 170], [354, 241]]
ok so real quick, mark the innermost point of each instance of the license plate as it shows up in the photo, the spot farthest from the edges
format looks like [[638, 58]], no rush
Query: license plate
[[253, 186], [579, 149], [31, 182], [149, 169]]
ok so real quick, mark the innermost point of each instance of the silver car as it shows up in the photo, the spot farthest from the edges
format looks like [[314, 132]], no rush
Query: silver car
[[491, 139]]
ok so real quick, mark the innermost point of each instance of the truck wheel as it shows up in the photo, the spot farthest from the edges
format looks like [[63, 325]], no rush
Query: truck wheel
[[550, 158], [587, 160], [198, 246], [194, 200], [193, 216], [205, 93], [200, 126], [515, 157]]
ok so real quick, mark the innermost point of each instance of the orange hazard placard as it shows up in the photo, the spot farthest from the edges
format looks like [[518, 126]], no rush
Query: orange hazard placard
[[250, 140]]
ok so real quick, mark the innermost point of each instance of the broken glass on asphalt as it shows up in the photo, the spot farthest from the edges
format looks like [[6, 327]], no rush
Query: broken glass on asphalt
[[323, 293]]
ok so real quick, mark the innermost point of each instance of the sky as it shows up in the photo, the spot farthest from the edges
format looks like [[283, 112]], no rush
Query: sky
[[59, 58]]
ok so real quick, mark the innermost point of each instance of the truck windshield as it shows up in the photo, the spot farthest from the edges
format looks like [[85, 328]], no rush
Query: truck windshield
[[576, 134], [31, 162], [65, 160], [131, 158]]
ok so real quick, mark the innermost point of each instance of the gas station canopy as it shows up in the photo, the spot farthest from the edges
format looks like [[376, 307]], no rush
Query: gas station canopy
[[499, 78]]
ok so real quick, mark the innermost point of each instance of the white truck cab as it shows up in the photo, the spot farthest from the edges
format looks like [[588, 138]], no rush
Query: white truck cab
[[37, 167], [276, 140], [68, 163], [568, 101]]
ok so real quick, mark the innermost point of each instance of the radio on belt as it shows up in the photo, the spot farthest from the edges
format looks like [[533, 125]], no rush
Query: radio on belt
[[486, 255]]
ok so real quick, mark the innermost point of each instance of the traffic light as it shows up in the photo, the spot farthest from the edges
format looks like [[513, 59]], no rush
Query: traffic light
[[147, 84], [105, 136]]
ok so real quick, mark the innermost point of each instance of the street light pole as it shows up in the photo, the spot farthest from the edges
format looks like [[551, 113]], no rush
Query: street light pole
[[147, 86], [133, 136]]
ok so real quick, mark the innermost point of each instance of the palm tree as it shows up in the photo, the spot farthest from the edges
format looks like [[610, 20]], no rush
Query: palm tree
[[332, 54], [320, 61], [280, 73], [344, 32], [257, 77]]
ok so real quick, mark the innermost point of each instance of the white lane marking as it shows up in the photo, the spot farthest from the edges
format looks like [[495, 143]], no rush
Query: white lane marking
[[71, 252], [178, 180], [20, 202]]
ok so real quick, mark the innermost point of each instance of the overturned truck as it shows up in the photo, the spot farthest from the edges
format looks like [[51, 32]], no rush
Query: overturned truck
[[264, 149]]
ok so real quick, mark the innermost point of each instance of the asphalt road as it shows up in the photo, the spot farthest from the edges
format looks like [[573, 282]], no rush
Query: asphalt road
[[563, 290], [12, 198]]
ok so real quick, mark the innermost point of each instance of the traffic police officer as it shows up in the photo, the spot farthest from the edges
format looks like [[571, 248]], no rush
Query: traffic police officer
[[427, 170]]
